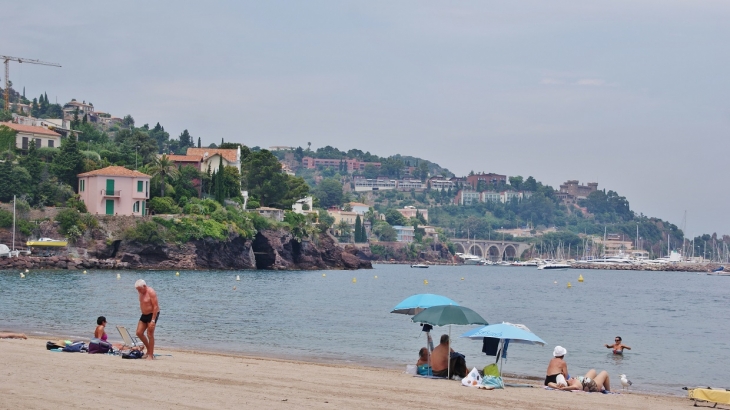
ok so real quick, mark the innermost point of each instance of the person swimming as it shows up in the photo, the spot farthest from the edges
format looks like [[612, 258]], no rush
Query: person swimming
[[618, 347]]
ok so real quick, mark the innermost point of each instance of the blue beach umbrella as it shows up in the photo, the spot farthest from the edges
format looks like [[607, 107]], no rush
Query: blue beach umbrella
[[507, 333], [415, 304]]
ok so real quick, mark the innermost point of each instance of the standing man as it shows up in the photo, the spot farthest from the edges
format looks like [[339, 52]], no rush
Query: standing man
[[150, 308]]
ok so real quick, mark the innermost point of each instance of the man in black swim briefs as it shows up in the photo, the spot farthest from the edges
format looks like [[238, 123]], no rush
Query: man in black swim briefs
[[150, 308]]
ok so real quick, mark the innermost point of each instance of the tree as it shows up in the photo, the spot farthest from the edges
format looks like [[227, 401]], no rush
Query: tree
[[160, 136], [163, 167], [395, 218], [344, 228], [198, 142], [220, 189], [296, 189], [32, 162], [530, 184], [423, 167], [516, 182], [329, 192], [370, 171], [385, 232], [69, 162], [358, 229], [263, 178], [7, 138], [128, 121]]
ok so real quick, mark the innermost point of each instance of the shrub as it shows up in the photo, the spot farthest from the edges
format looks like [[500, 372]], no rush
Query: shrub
[[164, 205], [146, 232], [6, 219], [69, 218], [75, 202]]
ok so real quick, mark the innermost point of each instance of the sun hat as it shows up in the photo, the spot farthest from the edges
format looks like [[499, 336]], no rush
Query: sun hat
[[140, 283], [559, 351]]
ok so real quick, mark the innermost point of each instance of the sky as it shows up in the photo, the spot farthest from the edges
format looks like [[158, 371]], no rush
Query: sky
[[634, 95]]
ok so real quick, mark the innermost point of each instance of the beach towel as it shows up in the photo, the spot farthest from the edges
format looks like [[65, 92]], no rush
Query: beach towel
[[424, 370], [492, 382], [473, 379], [710, 395], [75, 347]]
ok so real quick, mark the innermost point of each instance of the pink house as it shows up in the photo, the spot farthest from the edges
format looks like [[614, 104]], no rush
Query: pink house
[[115, 191]]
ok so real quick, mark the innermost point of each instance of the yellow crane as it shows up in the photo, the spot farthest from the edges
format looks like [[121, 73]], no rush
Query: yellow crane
[[7, 60]]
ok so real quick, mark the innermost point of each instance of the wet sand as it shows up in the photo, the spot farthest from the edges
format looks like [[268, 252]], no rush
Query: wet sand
[[34, 378]]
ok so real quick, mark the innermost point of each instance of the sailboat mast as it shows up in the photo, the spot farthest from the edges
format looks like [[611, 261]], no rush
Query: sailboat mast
[[13, 222]]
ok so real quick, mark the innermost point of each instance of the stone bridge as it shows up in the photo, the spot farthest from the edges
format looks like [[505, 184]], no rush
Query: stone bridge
[[491, 250]]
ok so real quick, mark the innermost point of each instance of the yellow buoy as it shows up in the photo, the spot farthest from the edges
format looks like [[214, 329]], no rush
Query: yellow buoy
[[26, 271], [580, 278], [177, 273], [84, 272], [354, 280], [425, 282], [376, 276], [119, 275], [324, 274], [238, 277], [569, 285], [462, 278]]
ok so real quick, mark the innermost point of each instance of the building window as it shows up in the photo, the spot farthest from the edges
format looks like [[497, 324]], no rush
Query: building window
[[38, 143], [50, 143], [135, 207], [82, 185], [140, 186]]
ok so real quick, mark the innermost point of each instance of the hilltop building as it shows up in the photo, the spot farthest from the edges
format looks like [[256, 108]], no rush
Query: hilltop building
[[494, 179], [42, 136], [351, 165]]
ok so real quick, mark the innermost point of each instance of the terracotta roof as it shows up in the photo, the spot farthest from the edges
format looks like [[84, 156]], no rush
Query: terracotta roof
[[228, 154], [185, 158], [114, 171], [30, 129], [358, 204]]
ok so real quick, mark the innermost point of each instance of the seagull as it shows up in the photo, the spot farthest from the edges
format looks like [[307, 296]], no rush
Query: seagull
[[625, 383]]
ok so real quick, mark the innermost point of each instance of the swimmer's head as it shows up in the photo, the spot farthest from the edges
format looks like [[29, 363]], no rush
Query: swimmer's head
[[140, 284]]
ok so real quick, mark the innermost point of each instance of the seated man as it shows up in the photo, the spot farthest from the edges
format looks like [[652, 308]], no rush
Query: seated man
[[557, 371], [441, 357]]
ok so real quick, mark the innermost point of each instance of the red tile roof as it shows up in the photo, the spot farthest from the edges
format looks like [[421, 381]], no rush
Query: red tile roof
[[31, 129], [114, 171], [185, 158], [228, 154]]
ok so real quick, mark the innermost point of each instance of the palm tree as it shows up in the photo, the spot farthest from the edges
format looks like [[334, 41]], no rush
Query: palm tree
[[163, 167]]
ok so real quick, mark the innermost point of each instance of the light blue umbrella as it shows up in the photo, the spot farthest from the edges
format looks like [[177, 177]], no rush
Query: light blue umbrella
[[417, 303], [513, 333], [506, 331]]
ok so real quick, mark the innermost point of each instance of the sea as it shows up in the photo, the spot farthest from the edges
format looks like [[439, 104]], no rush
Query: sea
[[677, 324]]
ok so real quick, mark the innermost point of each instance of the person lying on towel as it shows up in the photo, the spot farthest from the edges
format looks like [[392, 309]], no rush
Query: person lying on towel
[[441, 357]]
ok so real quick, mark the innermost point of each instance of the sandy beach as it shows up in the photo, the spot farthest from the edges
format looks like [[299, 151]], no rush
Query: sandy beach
[[34, 378]]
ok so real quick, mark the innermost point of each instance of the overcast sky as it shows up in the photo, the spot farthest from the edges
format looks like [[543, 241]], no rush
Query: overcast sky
[[633, 94]]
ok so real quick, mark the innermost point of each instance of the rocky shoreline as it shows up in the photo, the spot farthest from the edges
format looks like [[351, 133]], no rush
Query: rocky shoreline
[[674, 267], [269, 250]]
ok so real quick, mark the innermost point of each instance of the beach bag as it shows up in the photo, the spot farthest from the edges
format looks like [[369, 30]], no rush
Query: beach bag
[[424, 370], [411, 369], [492, 382], [75, 347], [560, 380], [491, 370], [53, 345], [99, 346], [134, 354], [473, 379]]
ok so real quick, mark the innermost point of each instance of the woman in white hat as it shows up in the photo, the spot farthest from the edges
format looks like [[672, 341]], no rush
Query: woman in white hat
[[557, 371]]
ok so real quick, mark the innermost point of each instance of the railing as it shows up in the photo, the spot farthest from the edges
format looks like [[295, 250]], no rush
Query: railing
[[115, 194]]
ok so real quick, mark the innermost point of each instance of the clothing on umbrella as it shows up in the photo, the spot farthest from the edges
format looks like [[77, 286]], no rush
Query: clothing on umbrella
[[490, 346]]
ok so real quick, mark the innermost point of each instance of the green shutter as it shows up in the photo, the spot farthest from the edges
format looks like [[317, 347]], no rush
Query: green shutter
[[110, 206], [110, 187], [139, 186], [144, 211]]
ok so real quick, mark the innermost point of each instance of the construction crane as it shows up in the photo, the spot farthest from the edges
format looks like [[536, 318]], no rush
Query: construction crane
[[8, 59]]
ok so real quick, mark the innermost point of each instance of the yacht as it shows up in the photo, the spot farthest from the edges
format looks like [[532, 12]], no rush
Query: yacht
[[552, 265], [469, 259], [5, 252], [47, 242], [419, 265]]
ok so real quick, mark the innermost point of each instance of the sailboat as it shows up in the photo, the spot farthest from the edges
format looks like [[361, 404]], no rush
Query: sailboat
[[4, 250]]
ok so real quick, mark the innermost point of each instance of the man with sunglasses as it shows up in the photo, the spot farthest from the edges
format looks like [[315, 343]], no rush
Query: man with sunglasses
[[618, 347]]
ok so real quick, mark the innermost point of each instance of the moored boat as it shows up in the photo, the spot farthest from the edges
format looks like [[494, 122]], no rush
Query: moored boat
[[47, 242], [419, 265]]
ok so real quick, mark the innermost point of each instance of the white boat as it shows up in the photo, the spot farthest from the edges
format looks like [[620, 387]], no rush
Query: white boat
[[469, 259], [419, 265], [5, 252], [554, 266]]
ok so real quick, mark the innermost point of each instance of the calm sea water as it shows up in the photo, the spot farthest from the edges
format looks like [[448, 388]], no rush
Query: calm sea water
[[676, 323]]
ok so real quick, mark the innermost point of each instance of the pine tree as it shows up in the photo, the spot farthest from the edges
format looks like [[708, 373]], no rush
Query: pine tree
[[220, 194], [198, 142], [358, 229], [85, 119], [69, 162], [364, 234]]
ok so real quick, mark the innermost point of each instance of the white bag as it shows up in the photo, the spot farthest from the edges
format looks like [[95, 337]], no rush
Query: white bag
[[560, 380], [411, 369], [473, 379]]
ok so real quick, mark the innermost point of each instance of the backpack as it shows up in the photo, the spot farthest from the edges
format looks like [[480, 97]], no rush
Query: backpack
[[53, 345], [134, 354], [99, 346]]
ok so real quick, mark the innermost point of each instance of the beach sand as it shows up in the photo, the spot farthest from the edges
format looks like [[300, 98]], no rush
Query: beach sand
[[34, 378]]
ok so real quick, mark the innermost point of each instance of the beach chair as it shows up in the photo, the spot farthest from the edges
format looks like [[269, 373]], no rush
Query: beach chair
[[130, 342]]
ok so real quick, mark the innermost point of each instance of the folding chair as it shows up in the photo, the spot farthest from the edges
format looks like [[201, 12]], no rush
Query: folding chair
[[130, 342]]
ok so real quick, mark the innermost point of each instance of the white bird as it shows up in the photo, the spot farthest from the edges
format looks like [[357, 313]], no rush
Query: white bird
[[625, 383]]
